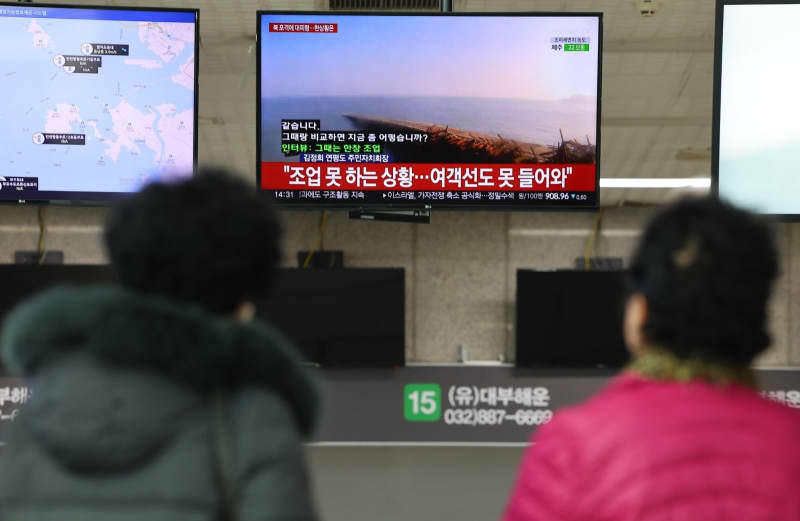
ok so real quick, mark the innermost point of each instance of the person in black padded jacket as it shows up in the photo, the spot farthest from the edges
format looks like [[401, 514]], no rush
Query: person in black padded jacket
[[161, 398]]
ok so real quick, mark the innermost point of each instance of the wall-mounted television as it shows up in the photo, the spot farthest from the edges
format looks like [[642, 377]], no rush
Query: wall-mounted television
[[756, 135], [570, 319], [425, 110], [97, 101]]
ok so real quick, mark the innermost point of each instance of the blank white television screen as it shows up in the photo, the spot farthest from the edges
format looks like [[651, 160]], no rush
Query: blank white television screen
[[759, 126]]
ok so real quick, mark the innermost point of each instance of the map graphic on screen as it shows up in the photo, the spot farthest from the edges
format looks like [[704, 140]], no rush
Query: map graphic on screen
[[95, 102], [484, 110]]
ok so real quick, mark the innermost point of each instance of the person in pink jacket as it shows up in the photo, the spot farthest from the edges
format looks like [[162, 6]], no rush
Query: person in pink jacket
[[682, 434]]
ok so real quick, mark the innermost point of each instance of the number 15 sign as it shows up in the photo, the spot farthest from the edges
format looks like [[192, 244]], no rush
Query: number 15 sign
[[422, 402]]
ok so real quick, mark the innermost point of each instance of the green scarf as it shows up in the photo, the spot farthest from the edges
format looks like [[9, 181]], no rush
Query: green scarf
[[660, 364]]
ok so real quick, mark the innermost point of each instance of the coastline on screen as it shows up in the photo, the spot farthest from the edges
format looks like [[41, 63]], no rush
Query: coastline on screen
[[415, 110], [756, 132], [102, 100]]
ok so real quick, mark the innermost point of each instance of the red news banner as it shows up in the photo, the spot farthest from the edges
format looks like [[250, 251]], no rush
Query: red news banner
[[428, 177]]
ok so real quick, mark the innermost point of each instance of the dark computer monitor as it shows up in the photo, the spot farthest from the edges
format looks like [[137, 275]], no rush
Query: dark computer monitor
[[20, 281], [345, 317], [570, 319]]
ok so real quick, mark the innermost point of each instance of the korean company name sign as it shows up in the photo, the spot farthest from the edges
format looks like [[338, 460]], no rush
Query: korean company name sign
[[414, 110], [463, 404], [439, 404]]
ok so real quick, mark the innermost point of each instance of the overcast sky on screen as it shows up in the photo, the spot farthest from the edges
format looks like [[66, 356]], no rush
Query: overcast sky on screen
[[759, 107], [461, 56]]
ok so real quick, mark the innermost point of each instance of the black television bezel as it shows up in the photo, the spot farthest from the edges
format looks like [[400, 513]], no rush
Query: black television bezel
[[716, 112], [330, 205], [69, 198]]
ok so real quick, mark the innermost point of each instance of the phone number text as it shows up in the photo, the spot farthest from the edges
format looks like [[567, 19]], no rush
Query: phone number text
[[475, 417]]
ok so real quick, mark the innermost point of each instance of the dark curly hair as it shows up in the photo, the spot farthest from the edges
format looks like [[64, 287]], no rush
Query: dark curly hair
[[210, 240], [706, 269]]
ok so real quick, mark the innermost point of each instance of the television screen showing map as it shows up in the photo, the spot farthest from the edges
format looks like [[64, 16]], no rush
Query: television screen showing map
[[96, 102]]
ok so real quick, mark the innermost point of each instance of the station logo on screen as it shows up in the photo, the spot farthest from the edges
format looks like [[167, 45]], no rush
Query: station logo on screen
[[440, 110], [96, 101]]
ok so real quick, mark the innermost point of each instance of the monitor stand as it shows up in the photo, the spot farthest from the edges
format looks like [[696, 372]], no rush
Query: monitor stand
[[419, 215]]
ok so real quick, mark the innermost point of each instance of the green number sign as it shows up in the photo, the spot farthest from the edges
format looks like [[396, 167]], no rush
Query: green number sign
[[422, 402]]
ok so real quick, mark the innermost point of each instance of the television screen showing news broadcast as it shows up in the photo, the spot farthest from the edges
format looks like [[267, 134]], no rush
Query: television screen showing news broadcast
[[96, 102], [758, 136], [439, 110]]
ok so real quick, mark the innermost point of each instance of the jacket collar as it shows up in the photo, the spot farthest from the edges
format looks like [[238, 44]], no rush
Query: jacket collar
[[183, 342], [659, 364]]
